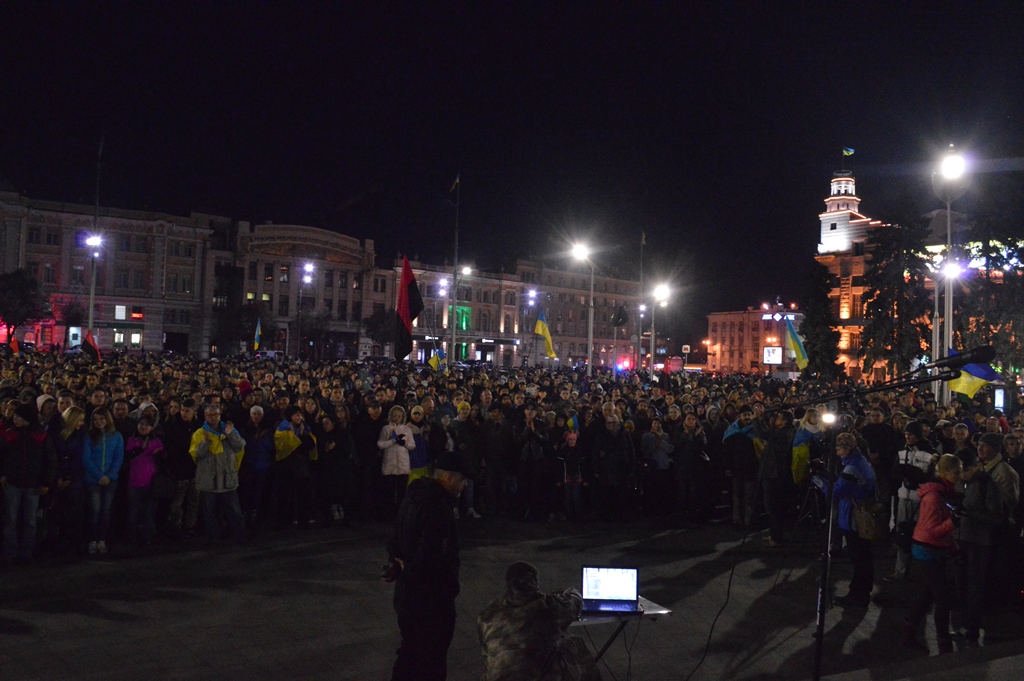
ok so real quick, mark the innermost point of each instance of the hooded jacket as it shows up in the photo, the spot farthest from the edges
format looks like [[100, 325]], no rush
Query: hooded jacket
[[426, 540], [934, 529], [29, 459]]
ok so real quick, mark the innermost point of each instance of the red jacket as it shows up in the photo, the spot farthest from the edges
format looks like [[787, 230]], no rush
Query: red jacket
[[935, 521]]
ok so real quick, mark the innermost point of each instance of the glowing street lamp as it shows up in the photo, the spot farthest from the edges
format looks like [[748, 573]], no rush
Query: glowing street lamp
[[949, 184], [94, 242], [581, 252], [307, 278], [661, 293]]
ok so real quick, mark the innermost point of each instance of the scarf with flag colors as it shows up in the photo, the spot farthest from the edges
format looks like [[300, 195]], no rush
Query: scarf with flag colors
[[541, 329], [410, 304], [796, 345]]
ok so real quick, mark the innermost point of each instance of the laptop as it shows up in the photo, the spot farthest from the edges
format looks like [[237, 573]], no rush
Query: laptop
[[610, 590]]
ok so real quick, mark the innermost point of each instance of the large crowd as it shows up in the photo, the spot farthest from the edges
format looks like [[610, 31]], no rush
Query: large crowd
[[144, 449]]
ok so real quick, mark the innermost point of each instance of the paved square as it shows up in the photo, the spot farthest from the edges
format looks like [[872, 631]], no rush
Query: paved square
[[307, 604]]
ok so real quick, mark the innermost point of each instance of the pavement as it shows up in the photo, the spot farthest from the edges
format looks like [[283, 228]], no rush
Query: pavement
[[307, 604]]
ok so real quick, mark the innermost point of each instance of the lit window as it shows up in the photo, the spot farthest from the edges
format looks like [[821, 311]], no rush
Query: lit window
[[120, 313]]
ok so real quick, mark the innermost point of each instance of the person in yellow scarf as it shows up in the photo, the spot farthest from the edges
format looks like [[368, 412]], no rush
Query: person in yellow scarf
[[217, 449], [295, 450]]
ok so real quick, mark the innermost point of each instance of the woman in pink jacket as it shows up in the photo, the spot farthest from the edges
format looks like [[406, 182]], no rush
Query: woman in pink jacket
[[933, 545]]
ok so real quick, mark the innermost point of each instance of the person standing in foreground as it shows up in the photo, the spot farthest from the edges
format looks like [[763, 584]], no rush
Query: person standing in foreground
[[423, 562]]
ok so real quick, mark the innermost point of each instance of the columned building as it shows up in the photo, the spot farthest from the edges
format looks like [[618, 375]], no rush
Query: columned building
[[845, 232]]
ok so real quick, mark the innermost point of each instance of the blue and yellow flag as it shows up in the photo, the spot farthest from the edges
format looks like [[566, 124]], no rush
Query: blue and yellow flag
[[972, 378], [847, 151], [542, 330], [256, 341], [795, 344]]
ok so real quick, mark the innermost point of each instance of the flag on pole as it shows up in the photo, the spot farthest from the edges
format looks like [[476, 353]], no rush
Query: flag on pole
[[435, 361], [455, 183], [643, 238], [15, 349], [973, 377], [541, 329], [90, 347], [796, 345], [256, 340], [410, 304], [847, 151]]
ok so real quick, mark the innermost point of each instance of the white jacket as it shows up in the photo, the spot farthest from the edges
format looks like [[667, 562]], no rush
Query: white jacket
[[919, 459], [395, 457]]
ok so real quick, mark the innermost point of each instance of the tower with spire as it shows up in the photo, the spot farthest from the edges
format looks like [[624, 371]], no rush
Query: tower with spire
[[842, 248]]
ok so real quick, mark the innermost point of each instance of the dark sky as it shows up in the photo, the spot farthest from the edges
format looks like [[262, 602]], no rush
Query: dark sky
[[714, 126]]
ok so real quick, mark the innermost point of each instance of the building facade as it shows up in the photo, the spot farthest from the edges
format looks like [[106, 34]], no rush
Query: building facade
[[752, 340], [179, 283], [842, 248]]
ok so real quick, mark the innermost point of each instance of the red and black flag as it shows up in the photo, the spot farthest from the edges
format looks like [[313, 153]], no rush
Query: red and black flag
[[90, 348], [410, 304]]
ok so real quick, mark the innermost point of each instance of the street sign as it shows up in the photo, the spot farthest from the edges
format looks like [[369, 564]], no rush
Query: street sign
[[686, 349]]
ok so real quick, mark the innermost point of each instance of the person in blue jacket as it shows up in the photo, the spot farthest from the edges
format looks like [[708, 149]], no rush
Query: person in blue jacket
[[856, 481], [102, 456]]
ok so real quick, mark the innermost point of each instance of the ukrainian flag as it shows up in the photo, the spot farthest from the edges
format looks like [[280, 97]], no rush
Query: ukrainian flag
[[972, 378], [796, 345], [256, 341], [435, 360], [542, 330], [847, 151]]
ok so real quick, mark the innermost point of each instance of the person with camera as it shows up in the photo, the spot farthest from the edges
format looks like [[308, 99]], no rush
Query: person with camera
[[933, 545], [855, 482], [423, 564]]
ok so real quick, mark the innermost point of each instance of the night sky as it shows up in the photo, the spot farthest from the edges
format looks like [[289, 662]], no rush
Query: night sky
[[714, 127]]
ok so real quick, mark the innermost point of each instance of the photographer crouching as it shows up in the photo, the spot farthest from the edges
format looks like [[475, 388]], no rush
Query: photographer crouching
[[855, 482]]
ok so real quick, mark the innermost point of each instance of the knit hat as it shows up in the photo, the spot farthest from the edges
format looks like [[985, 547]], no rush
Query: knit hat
[[520, 569], [41, 400], [993, 440], [27, 412]]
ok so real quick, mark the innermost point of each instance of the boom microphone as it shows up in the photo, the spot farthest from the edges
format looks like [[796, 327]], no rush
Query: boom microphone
[[979, 355]]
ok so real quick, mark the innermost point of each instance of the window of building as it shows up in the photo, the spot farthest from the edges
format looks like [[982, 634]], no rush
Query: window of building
[[329, 278], [52, 237], [35, 235], [253, 270], [858, 248], [357, 280], [78, 275], [268, 271], [188, 250], [832, 227], [343, 280], [268, 299], [138, 280], [122, 277], [380, 284], [49, 274], [124, 242], [357, 310], [329, 306], [172, 282], [120, 312], [343, 310], [136, 339], [510, 298], [282, 305], [431, 293], [250, 296], [220, 299], [508, 325], [283, 274], [80, 237], [485, 322], [142, 244], [186, 283]]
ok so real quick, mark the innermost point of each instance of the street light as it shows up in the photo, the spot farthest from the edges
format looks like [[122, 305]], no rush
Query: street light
[[306, 279], [661, 298], [949, 185], [581, 252], [466, 271], [93, 242]]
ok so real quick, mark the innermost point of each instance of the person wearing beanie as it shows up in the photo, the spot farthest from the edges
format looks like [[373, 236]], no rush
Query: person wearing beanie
[[523, 632], [29, 466], [911, 469]]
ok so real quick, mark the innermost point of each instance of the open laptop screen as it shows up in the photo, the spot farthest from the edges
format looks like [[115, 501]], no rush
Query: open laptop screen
[[609, 583]]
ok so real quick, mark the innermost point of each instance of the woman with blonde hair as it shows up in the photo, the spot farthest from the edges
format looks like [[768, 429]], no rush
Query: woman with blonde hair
[[395, 442]]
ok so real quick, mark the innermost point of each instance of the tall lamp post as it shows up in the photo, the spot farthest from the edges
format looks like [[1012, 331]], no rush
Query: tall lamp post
[[307, 277], [581, 252], [94, 243], [949, 184], [660, 299]]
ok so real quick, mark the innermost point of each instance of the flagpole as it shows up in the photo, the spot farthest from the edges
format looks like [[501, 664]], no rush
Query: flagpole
[[95, 220], [639, 315], [455, 270]]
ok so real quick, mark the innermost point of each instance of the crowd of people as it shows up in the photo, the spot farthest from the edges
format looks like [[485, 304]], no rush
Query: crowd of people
[[141, 449]]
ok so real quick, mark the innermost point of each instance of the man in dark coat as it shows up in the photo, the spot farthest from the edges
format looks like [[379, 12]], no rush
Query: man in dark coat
[[776, 475], [423, 563], [29, 465]]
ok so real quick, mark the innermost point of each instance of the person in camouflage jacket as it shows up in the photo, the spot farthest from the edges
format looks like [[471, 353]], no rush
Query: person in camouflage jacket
[[523, 632]]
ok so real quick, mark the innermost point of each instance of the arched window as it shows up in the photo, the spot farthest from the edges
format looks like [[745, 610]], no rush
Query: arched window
[[485, 321], [508, 324]]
